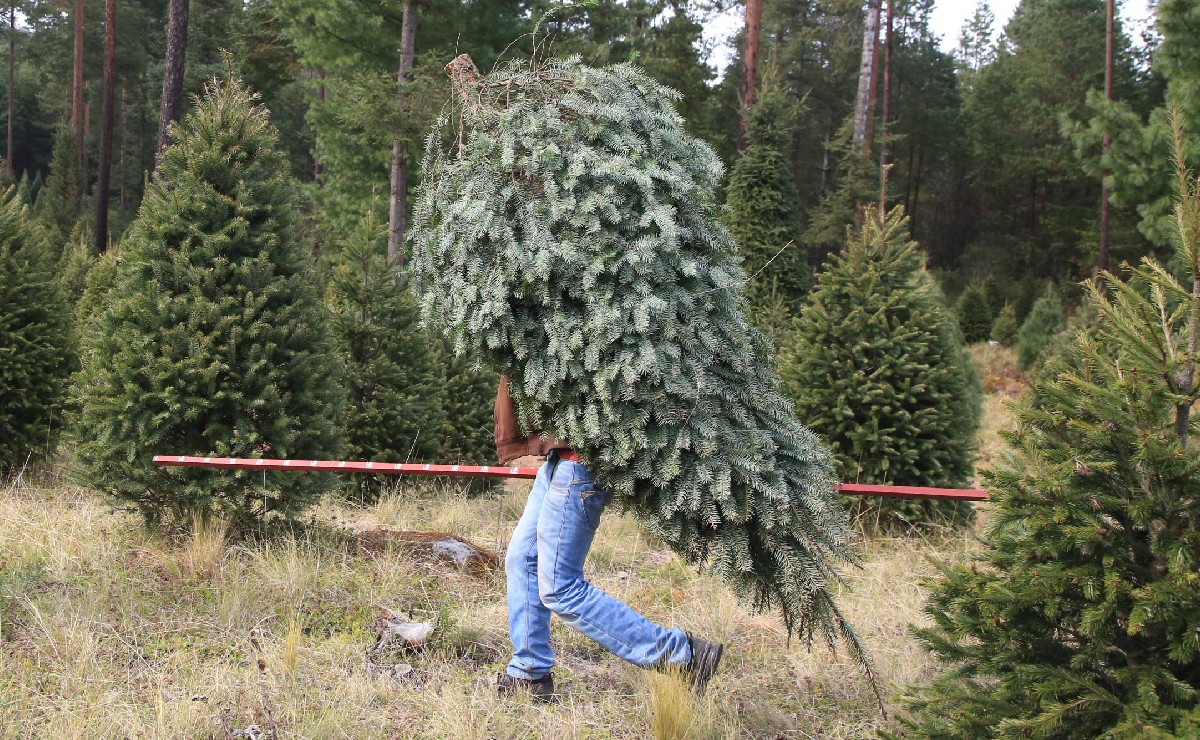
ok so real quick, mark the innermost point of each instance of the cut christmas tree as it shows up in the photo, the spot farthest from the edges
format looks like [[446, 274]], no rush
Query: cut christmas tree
[[571, 236]]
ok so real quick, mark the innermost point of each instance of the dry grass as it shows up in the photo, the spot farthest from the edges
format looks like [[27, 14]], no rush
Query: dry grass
[[1002, 384], [109, 631]]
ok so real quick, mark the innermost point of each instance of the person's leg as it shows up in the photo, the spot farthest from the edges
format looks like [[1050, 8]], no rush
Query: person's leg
[[570, 514], [528, 618]]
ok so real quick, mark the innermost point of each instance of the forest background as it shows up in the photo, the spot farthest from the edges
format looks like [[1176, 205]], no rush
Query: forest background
[[1022, 162], [995, 150]]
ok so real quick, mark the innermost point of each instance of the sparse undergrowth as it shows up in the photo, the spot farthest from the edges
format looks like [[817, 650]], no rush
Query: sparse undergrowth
[[108, 631]]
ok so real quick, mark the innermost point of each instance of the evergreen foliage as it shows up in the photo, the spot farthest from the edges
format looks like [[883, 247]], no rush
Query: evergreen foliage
[[212, 340], [1045, 321], [395, 409], [33, 339], [469, 398], [61, 205], [1005, 327], [877, 368], [764, 216], [573, 240], [1081, 616], [974, 315], [840, 210], [74, 265]]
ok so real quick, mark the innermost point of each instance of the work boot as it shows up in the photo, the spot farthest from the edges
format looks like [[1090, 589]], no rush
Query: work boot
[[706, 656], [541, 689]]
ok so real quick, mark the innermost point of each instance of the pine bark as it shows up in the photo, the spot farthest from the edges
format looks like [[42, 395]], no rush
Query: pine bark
[[77, 112], [172, 94], [12, 55], [398, 203], [100, 225], [866, 79], [749, 67], [885, 149], [1108, 96]]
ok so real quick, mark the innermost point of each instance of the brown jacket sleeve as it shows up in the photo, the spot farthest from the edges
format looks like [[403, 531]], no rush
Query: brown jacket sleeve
[[511, 442]]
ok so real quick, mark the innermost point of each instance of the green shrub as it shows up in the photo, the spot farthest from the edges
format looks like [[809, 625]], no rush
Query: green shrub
[[1005, 327], [877, 367], [470, 396], [34, 357], [1045, 321], [395, 411], [764, 208], [212, 340], [974, 315]]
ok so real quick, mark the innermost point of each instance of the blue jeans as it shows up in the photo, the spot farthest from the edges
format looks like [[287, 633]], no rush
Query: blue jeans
[[544, 568]]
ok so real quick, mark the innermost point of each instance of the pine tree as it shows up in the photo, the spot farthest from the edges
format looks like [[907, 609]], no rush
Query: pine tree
[[61, 205], [573, 240], [395, 411], [764, 215], [974, 315], [470, 396], [1005, 327], [841, 208], [1080, 618], [877, 368], [212, 340], [33, 339], [1045, 321], [73, 267]]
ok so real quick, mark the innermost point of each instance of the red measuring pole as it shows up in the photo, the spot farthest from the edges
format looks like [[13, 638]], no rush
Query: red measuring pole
[[504, 471]]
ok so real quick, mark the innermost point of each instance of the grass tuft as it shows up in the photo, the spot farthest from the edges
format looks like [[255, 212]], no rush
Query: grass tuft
[[676, 713], [200, 558]]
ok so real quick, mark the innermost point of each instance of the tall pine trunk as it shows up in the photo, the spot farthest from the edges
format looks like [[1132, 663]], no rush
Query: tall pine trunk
[[172, 93], [100, 226], [749, 67], [398, 203], [12, 51], [77, 112], [885, 149], [1108, 96], [866, 79], [121, 167]]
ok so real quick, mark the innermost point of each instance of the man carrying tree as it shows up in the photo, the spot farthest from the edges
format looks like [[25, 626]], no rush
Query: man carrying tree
[[571, 238], [544, 569]]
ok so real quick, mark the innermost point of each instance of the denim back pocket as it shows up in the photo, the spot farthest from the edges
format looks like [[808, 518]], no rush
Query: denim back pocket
[[593, 499]]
